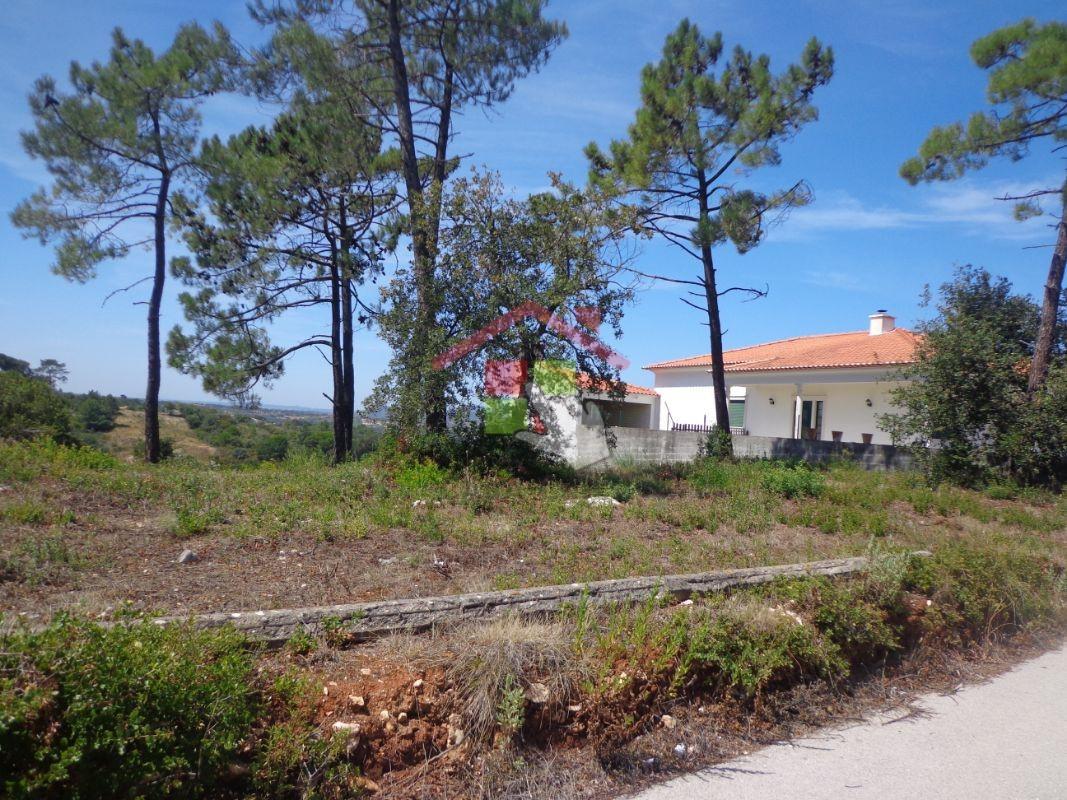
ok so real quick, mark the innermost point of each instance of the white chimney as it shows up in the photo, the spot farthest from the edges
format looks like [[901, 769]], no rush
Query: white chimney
[[882, 322]]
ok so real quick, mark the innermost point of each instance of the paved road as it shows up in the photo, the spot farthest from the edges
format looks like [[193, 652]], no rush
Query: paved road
[[1003, 740]]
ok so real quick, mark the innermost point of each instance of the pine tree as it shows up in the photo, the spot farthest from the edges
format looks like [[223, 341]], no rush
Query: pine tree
[[1027, 86], [420, 63], [117, 145], [705, 121], [295, 220]]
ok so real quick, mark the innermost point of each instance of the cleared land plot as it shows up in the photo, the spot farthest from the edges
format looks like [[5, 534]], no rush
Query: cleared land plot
[[89, 532]]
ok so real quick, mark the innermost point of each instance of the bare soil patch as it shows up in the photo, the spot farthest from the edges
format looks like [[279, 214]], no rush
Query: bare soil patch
[[403, 722]]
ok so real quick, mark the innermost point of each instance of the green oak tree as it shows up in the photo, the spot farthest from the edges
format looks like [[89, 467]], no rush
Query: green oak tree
[[294, 220], [964, 400], [565, 250], [117, 144], [1027, 88], [705, 122], [419, 63]]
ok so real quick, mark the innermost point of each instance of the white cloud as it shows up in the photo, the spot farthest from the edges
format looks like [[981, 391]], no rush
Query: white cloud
[[836, 280], [967, 205]]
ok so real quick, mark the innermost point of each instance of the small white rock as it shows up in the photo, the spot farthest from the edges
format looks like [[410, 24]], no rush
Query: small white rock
[[188, 557], [667, 721], [602, 500]]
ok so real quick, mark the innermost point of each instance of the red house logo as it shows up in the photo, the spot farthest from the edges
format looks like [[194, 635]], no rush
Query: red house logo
[[506, 407]]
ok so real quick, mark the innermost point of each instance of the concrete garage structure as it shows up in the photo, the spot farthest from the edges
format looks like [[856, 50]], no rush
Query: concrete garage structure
[[829, 387]]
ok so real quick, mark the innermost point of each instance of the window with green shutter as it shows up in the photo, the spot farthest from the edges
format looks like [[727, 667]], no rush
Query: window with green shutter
[[737, 413]]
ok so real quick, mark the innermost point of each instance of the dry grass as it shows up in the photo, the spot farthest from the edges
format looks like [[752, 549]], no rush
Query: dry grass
[[495, 666], [128, 435]]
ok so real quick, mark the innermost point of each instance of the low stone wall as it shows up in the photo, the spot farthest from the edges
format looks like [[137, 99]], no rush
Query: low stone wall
[[363, 621], [599, 448]]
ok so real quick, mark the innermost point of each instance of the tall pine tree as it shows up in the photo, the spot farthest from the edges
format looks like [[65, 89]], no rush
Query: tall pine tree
[[118, 144], [704, 122], [420, 63], [1027, 86]]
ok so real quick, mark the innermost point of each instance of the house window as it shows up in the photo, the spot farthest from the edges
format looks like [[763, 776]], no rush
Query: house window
[[737, 413]]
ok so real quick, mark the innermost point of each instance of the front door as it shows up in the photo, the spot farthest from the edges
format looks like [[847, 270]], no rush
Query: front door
[[811, 419]]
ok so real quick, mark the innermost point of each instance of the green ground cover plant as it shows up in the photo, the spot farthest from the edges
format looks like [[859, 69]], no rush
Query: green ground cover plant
[[157, 711]]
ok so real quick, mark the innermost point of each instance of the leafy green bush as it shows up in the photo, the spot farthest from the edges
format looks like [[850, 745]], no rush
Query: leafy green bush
[[96, 412], [145, 710], [709, 475], [981, 589], [419, 477], [793, 481], [31, 408], [468, 448], [652, 484], [858, 628], [964, 408], [623, 492], [739, 655]]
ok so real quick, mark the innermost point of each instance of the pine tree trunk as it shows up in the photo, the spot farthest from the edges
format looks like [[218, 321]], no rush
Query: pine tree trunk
[[418, 362], [718, 367], [337, 364], [1050, 306], [155, 300], [347, 365]]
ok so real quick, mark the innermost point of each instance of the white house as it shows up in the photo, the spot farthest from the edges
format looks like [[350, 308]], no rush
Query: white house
[[830, 387]]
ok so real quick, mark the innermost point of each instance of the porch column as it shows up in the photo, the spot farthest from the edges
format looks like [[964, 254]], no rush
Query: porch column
[[796, 410]]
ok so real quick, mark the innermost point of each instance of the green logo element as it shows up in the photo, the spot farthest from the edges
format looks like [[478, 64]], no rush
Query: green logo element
[[505, 415], [556, 378]]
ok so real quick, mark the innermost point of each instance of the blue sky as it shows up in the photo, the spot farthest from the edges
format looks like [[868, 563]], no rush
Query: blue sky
[[869, 241]]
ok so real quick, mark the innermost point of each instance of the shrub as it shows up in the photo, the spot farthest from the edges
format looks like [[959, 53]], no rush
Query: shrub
[[965, 408], [983, 589], [750, 647], [857, 627], [31, 408], [793, 481], [84, 709], [419, 477], [709, 475], [96, 413], [469, 448], [623, 492]]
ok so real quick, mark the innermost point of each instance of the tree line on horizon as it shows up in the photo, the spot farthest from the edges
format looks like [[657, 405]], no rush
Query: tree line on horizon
[[357, 171]]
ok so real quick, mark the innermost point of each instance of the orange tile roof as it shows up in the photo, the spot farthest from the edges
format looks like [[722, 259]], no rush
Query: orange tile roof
[[585, 381], [825, 351]]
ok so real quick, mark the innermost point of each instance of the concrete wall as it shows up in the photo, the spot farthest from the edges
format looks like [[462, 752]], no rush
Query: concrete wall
[[600, 448], [871, 456], [685, 397]]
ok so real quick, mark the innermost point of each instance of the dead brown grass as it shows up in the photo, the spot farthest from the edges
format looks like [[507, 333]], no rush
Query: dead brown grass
[[128, 434]]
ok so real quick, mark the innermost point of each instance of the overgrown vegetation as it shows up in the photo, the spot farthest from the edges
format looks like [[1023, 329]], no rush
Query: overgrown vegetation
[[965, 408], [137, 709], [245, 437], [601, 676]]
